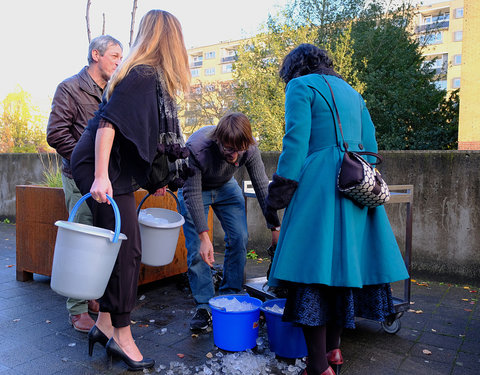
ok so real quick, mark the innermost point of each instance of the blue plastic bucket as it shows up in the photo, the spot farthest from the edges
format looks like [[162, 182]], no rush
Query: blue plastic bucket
[[235, 330], [284, 339]]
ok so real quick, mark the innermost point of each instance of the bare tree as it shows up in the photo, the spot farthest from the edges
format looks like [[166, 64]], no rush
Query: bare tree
[[205, 104], [132, 24], [103, 28], [87, 18]]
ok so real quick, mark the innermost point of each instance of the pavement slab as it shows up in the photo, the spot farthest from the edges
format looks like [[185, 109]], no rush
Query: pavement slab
[[439, 334]]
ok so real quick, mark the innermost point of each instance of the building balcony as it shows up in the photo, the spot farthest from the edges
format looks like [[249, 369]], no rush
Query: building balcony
[[432, 26], [228, 59], [440, 71], [196, 64]]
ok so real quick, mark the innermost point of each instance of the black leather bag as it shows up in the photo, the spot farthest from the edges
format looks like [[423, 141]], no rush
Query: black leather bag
[[361, 181]]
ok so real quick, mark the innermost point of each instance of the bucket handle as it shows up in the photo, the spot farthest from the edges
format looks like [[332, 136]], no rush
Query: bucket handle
[[115, 211], [146, 196]]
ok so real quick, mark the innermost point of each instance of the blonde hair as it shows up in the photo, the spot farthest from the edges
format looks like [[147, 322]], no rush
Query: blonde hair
[[159, 43]]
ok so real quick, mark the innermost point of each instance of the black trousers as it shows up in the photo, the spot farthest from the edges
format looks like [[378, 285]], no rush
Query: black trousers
[[121, 292]]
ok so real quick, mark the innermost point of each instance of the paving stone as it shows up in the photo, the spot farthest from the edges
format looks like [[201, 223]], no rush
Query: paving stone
[[471, 344], [48, 363], [418, 365], [437, 354], [441, 341], [468, 360], [31, 345]]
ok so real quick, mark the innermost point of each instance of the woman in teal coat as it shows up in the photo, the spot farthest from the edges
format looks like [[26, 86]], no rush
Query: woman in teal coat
[[335, 257]]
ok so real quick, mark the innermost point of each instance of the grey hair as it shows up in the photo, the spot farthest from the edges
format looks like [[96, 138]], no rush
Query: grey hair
[[101, 44]]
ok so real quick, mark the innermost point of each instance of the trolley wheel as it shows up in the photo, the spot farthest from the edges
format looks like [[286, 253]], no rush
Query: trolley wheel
[[391, 326]]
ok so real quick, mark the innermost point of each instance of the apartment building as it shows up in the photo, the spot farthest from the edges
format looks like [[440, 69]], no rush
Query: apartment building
[[214, 62], [211, 92], [439, 27], [450, 31]]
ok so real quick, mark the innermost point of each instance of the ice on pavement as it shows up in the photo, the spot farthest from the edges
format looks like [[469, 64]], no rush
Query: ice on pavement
[[241, 363], [232, 304]]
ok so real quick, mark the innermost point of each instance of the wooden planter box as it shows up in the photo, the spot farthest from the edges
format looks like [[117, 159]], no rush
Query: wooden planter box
[[39, 207]]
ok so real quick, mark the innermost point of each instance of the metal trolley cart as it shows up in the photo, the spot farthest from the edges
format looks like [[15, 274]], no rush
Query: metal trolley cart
[[398, 194]]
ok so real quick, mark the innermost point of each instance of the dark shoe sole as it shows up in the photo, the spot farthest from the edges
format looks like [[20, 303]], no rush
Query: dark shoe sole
[[199, 328]]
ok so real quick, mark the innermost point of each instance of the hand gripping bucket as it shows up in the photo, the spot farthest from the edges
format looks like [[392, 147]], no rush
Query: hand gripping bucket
[[84, 256], [159, 230], [285, 339], [235, 330]]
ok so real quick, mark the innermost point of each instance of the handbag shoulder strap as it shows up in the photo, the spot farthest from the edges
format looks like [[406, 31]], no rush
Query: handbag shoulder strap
[[330, 107], [337, 114]]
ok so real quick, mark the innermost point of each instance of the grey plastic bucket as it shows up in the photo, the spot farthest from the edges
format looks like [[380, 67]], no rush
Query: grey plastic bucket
[[84, 256], [159, 230]]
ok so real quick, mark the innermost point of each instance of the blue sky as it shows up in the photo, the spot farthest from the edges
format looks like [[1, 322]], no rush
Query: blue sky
[[45, 41]]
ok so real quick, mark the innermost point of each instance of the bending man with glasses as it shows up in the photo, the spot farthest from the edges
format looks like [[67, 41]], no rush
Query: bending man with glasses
[[216, 153]]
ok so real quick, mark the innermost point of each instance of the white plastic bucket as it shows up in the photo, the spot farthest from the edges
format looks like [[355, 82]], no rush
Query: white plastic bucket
[[159, 230], [84, 256]]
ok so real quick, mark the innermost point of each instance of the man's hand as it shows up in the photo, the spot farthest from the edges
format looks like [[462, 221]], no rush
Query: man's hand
[[206, 248]]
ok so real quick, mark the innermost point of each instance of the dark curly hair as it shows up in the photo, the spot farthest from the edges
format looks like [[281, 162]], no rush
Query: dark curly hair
[[306, 59]]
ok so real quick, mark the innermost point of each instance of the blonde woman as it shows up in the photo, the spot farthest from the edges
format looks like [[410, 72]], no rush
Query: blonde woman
[[115, 154]]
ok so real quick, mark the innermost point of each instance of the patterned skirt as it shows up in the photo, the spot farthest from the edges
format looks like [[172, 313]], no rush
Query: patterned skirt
[[318, 305]]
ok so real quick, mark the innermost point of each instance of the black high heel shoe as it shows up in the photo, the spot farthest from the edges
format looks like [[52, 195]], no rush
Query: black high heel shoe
[[113, 349], [95, 335]]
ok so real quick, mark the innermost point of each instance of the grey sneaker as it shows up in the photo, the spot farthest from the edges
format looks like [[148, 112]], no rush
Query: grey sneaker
[[201, 320]]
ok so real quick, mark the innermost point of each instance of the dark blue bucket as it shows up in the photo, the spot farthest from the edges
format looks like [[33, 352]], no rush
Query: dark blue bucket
[[285, 339], [235, 330]]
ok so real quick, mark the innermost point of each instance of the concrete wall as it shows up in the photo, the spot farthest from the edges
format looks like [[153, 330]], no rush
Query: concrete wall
[[20, 169], [446, 209]]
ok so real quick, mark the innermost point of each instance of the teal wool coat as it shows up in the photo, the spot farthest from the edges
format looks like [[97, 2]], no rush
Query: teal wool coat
[[325, 238]]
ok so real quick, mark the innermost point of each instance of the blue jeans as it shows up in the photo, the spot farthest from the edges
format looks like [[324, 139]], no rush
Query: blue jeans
[[228, 204]]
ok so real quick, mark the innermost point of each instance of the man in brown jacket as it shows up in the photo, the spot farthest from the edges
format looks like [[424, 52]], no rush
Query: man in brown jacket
[[75, 101]]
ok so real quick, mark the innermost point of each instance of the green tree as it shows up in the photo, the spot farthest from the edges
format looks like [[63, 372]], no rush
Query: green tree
[[22, 126], [399, 90], [260, 91], [373, 49]]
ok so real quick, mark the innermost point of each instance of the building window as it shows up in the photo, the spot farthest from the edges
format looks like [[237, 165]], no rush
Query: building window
[[433, 38], [456, 83], [427, 20], [210, 55], [195, 72], [227, 68], [459, 13], [437, 63], [441, 84], [457, 59], [210, 71], [196, 61], [457, 36]]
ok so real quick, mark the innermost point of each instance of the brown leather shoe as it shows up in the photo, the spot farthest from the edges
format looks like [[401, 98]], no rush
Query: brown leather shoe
[[93, 307], [81, 322]]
